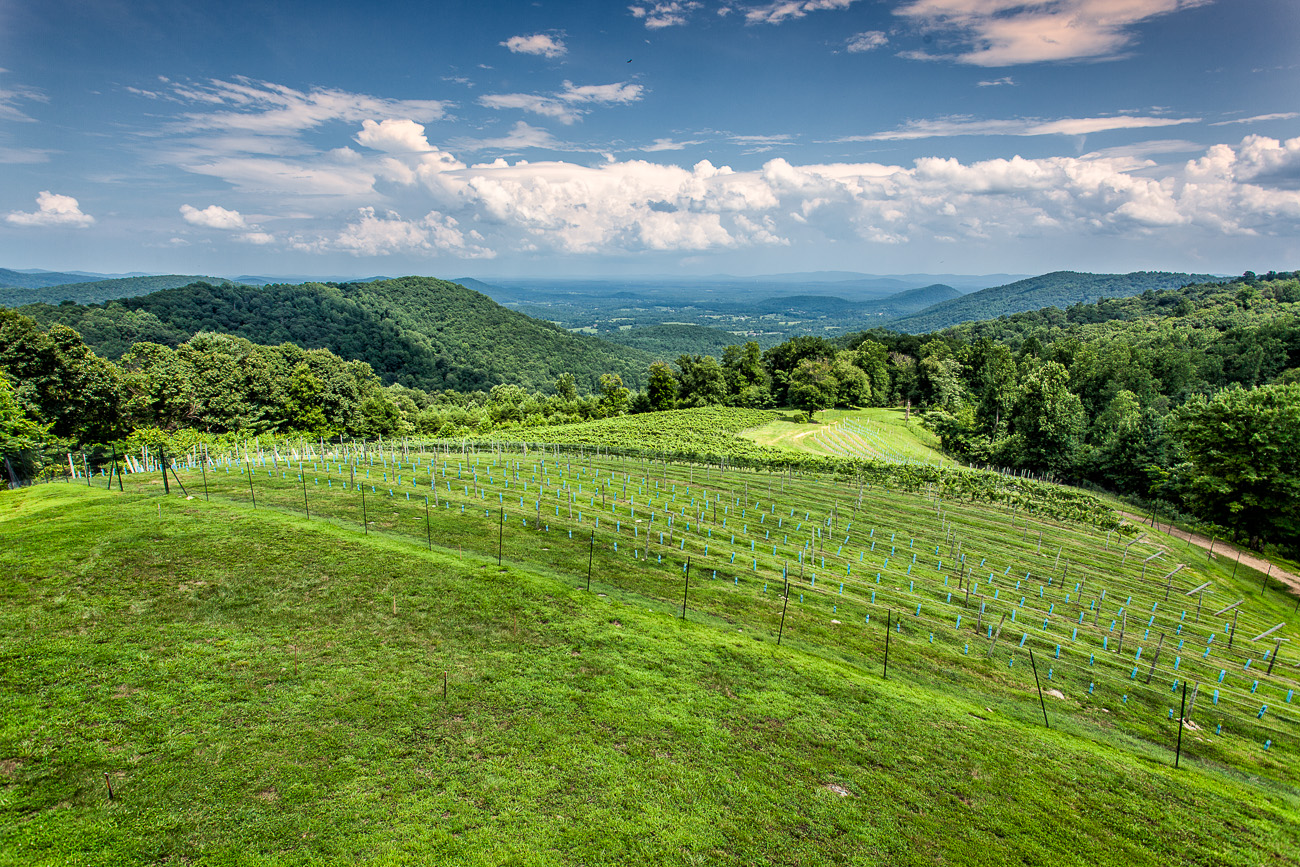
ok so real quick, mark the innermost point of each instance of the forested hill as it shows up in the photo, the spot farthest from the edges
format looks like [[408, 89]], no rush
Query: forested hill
[[413, 331], [1058, 289], [93, 291], [668, 342], [10, 278]]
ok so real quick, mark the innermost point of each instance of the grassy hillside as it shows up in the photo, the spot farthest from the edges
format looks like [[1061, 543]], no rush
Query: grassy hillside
[[263, 688], [416, 331], [1058, 289], [94, 291], [882, 434]]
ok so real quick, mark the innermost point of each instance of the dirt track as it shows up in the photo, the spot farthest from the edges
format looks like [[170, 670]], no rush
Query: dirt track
[[1224, 549]]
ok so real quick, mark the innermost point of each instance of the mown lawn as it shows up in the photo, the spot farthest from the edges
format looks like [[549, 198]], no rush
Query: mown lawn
[[263, 689]]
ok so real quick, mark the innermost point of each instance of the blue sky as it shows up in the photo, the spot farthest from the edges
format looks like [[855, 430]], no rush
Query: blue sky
[[689, 136]]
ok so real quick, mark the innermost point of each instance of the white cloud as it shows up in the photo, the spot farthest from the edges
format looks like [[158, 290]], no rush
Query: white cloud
[[954, 126], [1004, 81], [868, 40], [263, 108], [785, 10], [213, 217], [626, 206], [634, 205], [372, 235], [52, 210], [394, 135], [564, 105], [1260, 118], [539, 43], [1009, 32], [667, 144], [11, 97], [660, 15], [601, 93], [522, 135], [16, 156]]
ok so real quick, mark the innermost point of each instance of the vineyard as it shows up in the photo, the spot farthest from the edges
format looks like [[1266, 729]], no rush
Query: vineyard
[[1123, 624]]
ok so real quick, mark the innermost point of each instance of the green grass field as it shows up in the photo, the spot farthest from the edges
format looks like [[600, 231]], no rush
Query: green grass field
[[263, 688], [883, 434]]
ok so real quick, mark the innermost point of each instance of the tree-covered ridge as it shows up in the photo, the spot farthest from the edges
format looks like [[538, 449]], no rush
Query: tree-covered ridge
[[415, 331], [666, 342], [1058, 289], [93, 291], [11, 279]]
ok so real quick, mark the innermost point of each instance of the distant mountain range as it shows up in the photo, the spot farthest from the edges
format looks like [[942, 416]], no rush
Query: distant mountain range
[[433, 334], [1058, 289]]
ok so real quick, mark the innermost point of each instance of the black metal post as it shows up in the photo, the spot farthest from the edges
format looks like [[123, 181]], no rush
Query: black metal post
[[591, 555], [428, 528], [688, 587], [784, 605], [1039, 684], [501, 534], [302, 474], [1178, 751], [888, 628], [203, 465], [162, 459], [250, 483]]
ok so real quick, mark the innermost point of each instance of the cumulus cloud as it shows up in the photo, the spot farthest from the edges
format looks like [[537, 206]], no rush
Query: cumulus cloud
[[567, 105], [52, 209], [964, 125], [392, 170], [373, 234], [868, 40], [636, 205], [539, 43], [785, 10], [659, 15], [1004, 81], [1010, 32], [213, 217], [395, 135]]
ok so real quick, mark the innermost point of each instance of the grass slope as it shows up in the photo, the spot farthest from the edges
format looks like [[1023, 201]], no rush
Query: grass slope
[[708, 431], [878, 433], [266, 690], [1058, 289]]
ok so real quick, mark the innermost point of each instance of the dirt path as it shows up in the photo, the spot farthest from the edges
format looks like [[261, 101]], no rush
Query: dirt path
[[1222, 548]]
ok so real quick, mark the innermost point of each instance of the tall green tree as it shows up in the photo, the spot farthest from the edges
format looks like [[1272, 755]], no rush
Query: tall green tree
[[1243, 456], [1047, 422], [813, 385], [661, 387]]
